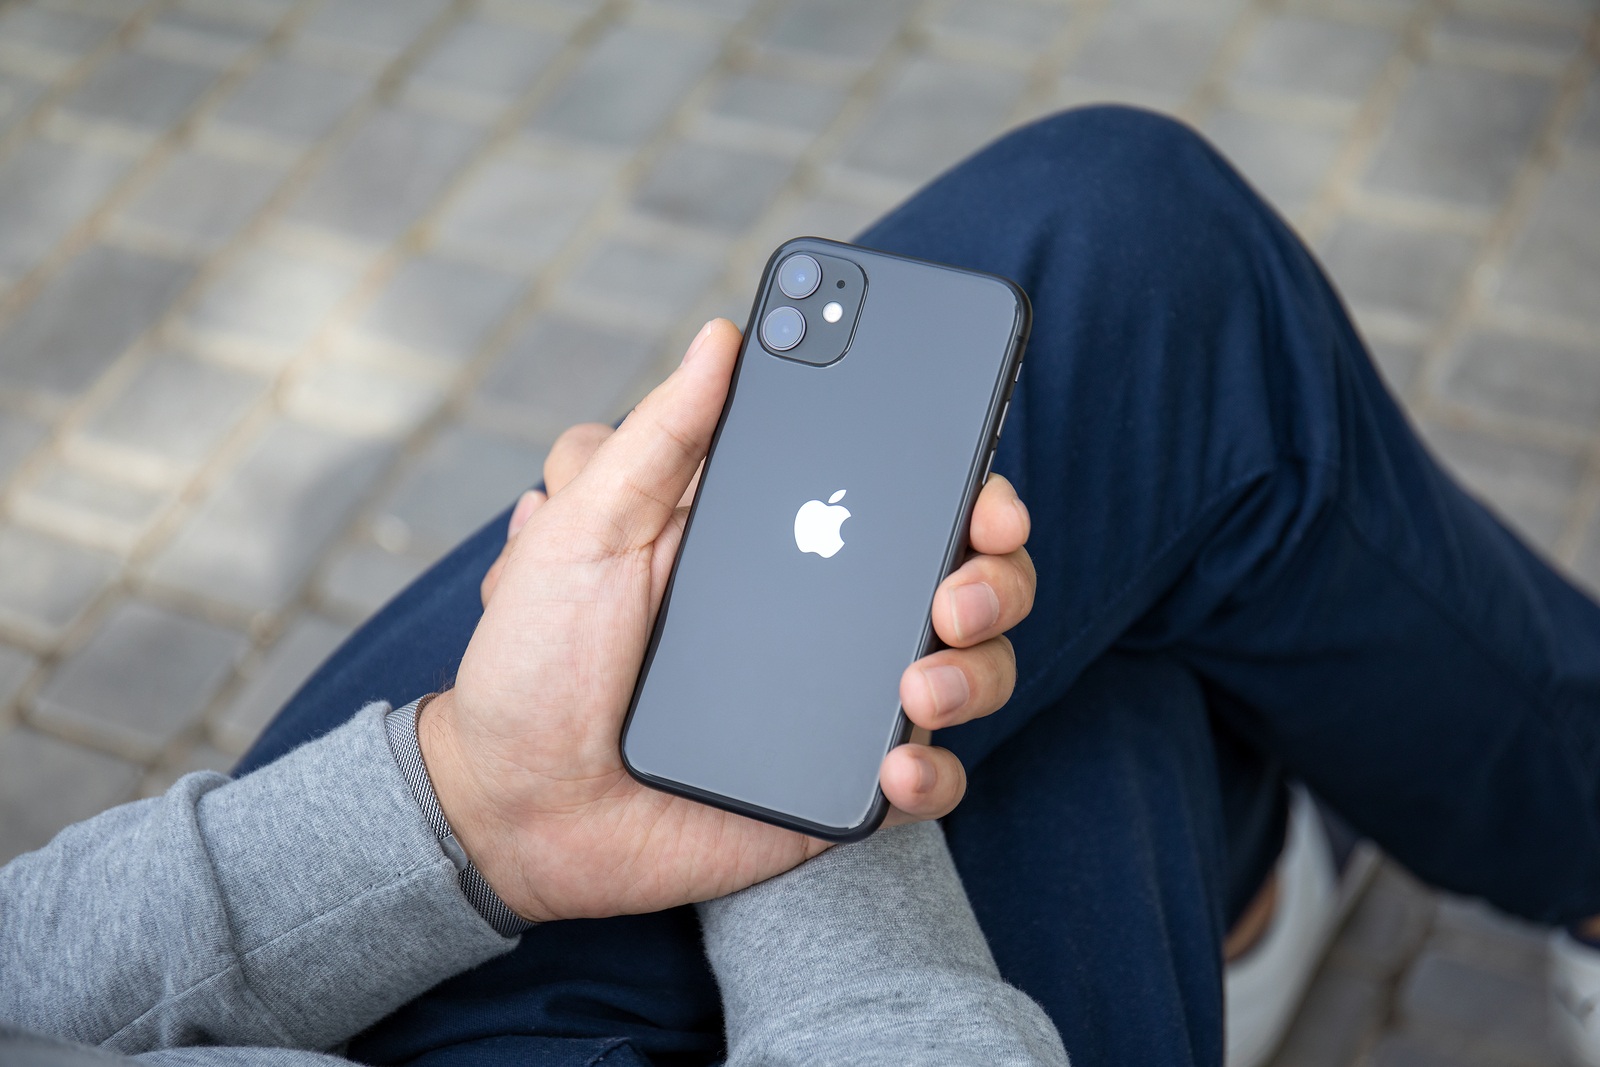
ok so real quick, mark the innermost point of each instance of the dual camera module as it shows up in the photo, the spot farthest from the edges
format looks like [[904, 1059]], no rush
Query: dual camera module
[[811, 306]]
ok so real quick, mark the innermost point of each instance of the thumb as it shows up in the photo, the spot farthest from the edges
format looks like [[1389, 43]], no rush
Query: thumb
[[636, 478]]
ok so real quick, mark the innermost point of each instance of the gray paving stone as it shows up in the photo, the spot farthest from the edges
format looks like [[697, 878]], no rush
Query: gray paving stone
[[464, 479], [490, 60], [88, 506], [1152, 46], [31, 31], [837, 29], [1341, 1009], [290, 101], [205, 36], [359, 29], [256, 538], [1410, 272], [1585, 133], [1387, 926], [272, 297], [1554, 265], [1492, 35], [1412, 1050], [775, 102], [172, 412], [19, 436], [271, 680], [1526, 378], [627, 84], [931, 114], [193, 758], [717, 188], [440, 308], [45, 584], [18, 95], [1528, 486], [648, 280], [1398, 363], [357, 581], [520, 207], [1286, 161], [201, 201], [1460, 134], [362, 396], [46, 190], [389, 172], [1309, 56], [1013, 24], [106, 691], [561, 371], [46, 784], [16, 666], [1476, 1006], [722, 9], [145, 93], [820, 215], [87, 316]]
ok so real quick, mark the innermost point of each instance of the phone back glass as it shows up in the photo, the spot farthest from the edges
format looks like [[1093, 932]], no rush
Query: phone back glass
[[771, 685]]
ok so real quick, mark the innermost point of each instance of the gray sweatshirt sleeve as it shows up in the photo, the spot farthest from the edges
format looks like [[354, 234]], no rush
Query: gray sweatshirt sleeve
[[291, 908], [868, 954]]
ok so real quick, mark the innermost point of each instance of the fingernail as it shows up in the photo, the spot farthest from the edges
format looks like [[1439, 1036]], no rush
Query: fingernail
[[699, 338], [948, 687], [926, 775], [974, 607]]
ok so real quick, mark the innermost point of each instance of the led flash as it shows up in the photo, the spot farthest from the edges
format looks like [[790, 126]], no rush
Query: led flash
[[832, 311]]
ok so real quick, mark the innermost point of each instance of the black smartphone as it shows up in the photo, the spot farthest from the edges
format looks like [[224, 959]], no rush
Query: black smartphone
[[865, 408]]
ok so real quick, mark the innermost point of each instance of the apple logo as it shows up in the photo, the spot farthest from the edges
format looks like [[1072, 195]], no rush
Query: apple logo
[[816, 525]]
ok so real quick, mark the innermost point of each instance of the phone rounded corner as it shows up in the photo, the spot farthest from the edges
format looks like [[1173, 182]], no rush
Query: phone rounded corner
[[862, 830]]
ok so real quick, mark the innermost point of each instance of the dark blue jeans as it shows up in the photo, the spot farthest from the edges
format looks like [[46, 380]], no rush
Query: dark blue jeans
[[1248, 568]]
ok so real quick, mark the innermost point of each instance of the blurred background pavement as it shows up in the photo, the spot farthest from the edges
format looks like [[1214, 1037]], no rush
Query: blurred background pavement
[[295, 293]]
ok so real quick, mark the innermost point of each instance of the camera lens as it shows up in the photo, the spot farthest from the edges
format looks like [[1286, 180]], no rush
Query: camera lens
[[783, 328], [799, 276]]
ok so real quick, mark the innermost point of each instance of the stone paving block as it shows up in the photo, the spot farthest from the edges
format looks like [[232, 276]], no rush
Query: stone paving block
[[106, 689], [87, 316], [205, 36], [1585, 133], [1398, 363], [819, 215], [1554, 265], [627, 84], [257, 536], [47, 784], [88, 506], [1530, 487], [270, 681], [1153, 46], [194, 758], [1473, 933], [18, 95], [1485, 1009], [387, 174], [359, 580], [31, 33], [561, 371], [774, 102], [717, 188], [464, 479], [171, 413], [1286, 161], [1527, 378], [45, 584], [1342, 1008], [1460, 134], [722, 9], [1013, 24], [932, 113], [521, 206], [145, 93], [489, 60], [364, 397], [15, 668], [837, 30], [19, 436], [1415, 273], [1412, 1050], [1309, 56], [46, 190], [440, 308], [1492, 36], [1387, 926], [652, 281], [361, 30], [290, 101], [272, 297], [200, 201]]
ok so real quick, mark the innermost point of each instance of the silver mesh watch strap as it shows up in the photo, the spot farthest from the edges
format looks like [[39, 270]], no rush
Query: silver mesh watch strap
[[400, 725]]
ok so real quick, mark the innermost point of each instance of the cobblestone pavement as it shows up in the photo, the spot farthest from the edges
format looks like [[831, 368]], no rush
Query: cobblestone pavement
[[294, 293]]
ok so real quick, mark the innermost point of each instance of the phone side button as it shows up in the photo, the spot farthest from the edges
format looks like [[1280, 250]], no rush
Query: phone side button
[[1001, 425], [987, 467]]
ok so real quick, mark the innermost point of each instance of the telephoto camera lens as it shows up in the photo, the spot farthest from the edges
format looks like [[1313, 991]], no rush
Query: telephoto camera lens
[[783, 328], [799, 276]]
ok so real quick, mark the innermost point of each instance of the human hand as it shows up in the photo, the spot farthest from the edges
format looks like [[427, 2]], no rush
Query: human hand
[[523, 752]]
